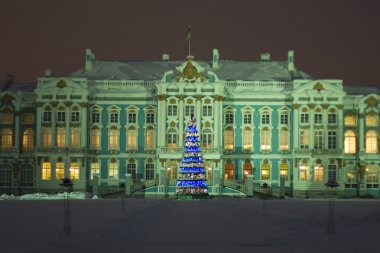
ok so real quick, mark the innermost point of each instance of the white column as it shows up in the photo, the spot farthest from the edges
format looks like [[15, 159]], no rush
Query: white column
[[311, 129], [54, 127], [361, 129], [295, 127], [198, 113], [83, 132], [161, 127], [340, 132], [39, 127], [181, 119], [16, 144], [217, 117], [67, 130]]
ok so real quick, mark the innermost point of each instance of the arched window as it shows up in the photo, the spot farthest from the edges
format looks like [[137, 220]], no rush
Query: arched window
[[149, 141], [113, 169], [265, 170], [265, 139], [6, 137], [114, 138], [95, 168], [61, 137], [172, 138], [59, 169], [28, 119], [304, 171], [5, 175], [74, 170], [95, 138], [131, 168], [75, 137], [284, 169], [247, 138], [247, 169], [284, 139], [371, 120], [207, 138], [350, 120], [371, 142], [228, 170], [229, 138], [132, 138], [318, 171], [28, 139], [149, 169], [26, 175], [349, 142], [46, 137], [46, 170]]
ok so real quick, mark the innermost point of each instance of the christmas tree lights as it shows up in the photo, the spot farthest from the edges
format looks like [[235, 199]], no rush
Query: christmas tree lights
[[192, 179]]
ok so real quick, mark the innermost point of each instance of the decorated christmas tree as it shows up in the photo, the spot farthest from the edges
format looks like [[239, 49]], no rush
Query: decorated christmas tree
[[192, 178]]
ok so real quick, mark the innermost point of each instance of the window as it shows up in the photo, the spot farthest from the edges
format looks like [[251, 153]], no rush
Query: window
[[132, 138], [95, 169], [6, 118], [6, 137], [371, 142], [46, 171], [284, 119], [265, 171], [46, 117], [229, 118], [304, 118], [247, 138], [372, 180], [114, 117], [331, 139], [131, 168], [114, 138], [172, 138], [350, 120], [172, 110], [284, 139], [229, 170], [318, 173], [189, 110], [332, 119], [318, 118], [28, 139], [61, 116], [265, 118], [28, 119], [304, 139], [229, 138], [132, 118], [46, 137], [247, 169], [5, 175], [59, 170], [150, 138], [74, 171], [284, 170], [95, 138], [349, 142], [351, 180], [318, 139], [149, 171], [207, 138], [332, 172], [265, 139], [75, 137], [74, 116], [207, 111], [113, 169], [26, 175], [150, 118], [371, 121], [95, 117], [61, 136], [304, 172], [247, 119]]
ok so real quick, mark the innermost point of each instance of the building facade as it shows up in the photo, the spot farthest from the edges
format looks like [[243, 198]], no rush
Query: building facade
[[267, 119]]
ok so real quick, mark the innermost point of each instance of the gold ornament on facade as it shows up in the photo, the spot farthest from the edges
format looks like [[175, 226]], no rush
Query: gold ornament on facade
[[7, 99], [207, 101], [189, 74], [172, 101], [318, 87], [218, 98], [172, 124], [190, 101], [325, 106], [198, 97], [39, 104], [68, 103], [54, 103], [296, 106], [340, 106], [181, 97], [207, 124], [371, 113], [17, 113], [83, 105], [311, 106], [372, 101], [361, 115], [161, 97], [61, 84]]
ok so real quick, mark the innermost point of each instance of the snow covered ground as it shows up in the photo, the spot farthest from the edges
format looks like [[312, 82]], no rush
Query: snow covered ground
[[215, 225], [44, 196]]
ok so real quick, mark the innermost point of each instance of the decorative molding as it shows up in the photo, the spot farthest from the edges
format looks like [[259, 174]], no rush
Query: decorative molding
[[361, 115], [181, 97], [161, 97], [39, 104], [83, 105], [296, 106], [198, 97], [207, 101], [17, 113], [340, 106], [372, 101], [311, 106], [7, 99], [325, 106], [318, 87], [172, 101], [218, 98], [61, 84], [54, 103], [68, 103]]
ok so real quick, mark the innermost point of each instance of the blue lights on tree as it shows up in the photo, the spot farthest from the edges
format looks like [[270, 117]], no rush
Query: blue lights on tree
[[192, 179]]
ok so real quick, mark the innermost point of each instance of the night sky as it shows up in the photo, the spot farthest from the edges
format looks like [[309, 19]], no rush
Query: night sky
[[332, 39]]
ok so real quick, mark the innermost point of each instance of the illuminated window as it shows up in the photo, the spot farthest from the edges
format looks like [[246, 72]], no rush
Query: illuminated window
[[304, 172], [350, 120], [265, 170], [28, 139], [304, 139], [207, 138], [229, 138], [6, 136], [172, 110], [46, 137], [284, 139], [114, 117], [150, 138], [46, 171], [247, 138], [59, 170], [95, 138], [371, 121], [265, 139], [172, 138], [132, 138], [247, 168], [318, 172], [61, 137], [207, 111], [114, 138], [95, 169], [131, 168], [74, 170], [6, 118], [332, 139], [75, 137], [284, 170], [372, 180], [318, 139], [28, 119], [349, 142], [149, 170], [229, 170], [371, 142]]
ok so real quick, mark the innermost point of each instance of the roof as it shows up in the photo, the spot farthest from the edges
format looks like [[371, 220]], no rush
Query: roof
[[154, 70], [361, 90], [14, 87]]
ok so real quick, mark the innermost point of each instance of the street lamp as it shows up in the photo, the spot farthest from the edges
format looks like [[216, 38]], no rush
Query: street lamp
[[68, 185], [331, 184]]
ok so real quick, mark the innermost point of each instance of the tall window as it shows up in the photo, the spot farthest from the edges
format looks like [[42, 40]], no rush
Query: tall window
[[332, 139], [247, 118], [304, 172], [6, 118], [95, 168], [189, 110], [114, 138], [114, 117], [95, 117], [149, 138], [74, 170], [318, 139], [284, 170], [318, 172], [229, 170], [284, 119], [265, 171], [132, 138], [247, 138], [132, 118], [372, 180], [75, 137], [61, 116], [350, 120], [229, 138], [149, 170], [265, 139], [113, 169], [172, 138], [95, 138], [229, 118], [75, 117], [207, 138], [28, 119], [304, 118], [46, 137], [349, 142], [26, 175], [371, 142], [284, 139], [46, 117], [304, 139], [332, 118], [5, 175], [59, 170], [172, 110], [207, 111], [131, 168], [332, 172], [150, 118], [6, 136], [46, 170], [61, 136], [318, 118], [265, 118], [247, 169], [28, 139]]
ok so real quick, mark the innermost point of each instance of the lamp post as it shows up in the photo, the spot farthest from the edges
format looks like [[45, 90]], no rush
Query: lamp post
[[265, 187], [67, 184], [331, 184]]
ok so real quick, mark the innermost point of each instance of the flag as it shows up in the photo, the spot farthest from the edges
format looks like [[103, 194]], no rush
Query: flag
[[188, 34]]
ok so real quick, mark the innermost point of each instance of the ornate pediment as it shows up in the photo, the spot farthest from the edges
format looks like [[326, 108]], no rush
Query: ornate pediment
[[190, 72]]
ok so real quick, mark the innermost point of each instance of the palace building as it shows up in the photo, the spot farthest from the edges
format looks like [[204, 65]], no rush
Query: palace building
[[263, 118]]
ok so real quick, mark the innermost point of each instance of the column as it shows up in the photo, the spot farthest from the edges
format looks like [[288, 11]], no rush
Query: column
[[38, 126], [217, 140], [311, 128], [295, 126], [16, 144], [54, 126], [198, 112], [83, 130], [181, 119], [67, 128], [361, 129], [340, 132], [161, 116]]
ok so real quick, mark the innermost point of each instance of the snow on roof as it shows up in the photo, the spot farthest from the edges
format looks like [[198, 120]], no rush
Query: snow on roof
[[361, 90], [154, 70], [13, 87]]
